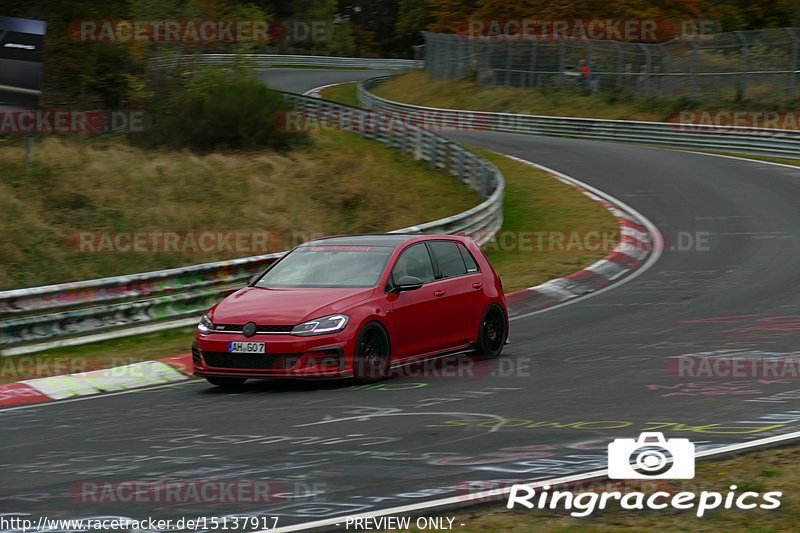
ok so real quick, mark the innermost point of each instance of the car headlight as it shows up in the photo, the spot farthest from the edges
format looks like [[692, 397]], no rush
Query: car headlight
[[205, 325], [320, 326]]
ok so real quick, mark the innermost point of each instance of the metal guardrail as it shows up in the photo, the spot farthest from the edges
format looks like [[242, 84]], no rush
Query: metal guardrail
[[761, 141], [271, 60], [40, 314]]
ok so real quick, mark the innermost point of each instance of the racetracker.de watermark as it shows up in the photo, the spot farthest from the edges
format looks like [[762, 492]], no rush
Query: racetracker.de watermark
[[596, 29], [30, 121], [726, 366], [733, 121], [313, 121], [175, 242], [29, 367], [555, 241], [212, 491], [626, 240], [197, 31], [454, 366]]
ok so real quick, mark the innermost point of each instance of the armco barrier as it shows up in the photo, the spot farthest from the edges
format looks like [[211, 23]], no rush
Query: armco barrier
[[762, 141], [271, 60], [39, 314]]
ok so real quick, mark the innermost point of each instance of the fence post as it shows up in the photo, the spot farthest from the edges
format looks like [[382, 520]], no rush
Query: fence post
[[665, 81], [743, 78], [647, 67], [492, 51], [447, 151], [463, 54], [793, 73], [533, 65], [474, 170], [619, 64], [451, 65], [692, 68], [509, 54]]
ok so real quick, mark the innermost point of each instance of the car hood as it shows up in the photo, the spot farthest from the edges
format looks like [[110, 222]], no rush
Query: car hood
[[284, 306]]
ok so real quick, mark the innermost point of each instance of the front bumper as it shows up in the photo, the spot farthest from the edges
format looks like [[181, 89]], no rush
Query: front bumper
[[287, 356]]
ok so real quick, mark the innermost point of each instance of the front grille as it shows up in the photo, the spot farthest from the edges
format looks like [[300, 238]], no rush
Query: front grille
[[264, 330], [255, 361], [274, 329], [196, 354]]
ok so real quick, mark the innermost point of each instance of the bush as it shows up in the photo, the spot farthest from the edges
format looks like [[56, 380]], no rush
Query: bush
[[216, 111]]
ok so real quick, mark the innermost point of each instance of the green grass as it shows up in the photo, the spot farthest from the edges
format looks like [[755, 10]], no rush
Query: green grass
[[537, 202], [344, 94], [341, 183], [418, 88]]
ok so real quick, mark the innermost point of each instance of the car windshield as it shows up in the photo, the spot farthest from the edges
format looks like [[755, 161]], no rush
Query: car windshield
[[328, 266]]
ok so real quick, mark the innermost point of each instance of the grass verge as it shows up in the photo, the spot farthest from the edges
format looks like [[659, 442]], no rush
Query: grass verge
[[344, 94], [341, 183], [537, 205], [418, 88]]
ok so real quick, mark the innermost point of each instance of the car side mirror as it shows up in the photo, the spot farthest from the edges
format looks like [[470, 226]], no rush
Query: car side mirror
[[407, 283]]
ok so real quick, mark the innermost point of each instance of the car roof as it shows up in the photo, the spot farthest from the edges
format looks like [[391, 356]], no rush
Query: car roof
[[373, 239]]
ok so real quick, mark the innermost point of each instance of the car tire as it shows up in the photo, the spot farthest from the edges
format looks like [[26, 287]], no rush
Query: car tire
[[226, 383], [371, 354], [492, 332]]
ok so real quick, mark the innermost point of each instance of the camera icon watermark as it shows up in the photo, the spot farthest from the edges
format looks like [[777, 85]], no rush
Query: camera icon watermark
[[651, 456]]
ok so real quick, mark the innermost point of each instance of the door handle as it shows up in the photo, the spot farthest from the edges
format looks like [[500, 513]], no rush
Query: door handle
[[440, 292], [477, 285]]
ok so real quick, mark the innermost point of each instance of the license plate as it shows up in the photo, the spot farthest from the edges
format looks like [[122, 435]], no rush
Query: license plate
[[247, 347]]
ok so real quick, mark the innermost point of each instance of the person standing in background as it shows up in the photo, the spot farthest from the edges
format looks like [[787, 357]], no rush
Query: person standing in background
[[585, 74]]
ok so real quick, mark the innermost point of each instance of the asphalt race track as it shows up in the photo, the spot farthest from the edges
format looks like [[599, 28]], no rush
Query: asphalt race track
[[301, 80], [574, 378]]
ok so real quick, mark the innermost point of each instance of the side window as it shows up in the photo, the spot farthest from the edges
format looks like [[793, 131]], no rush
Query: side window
[[449, 258], [472, 266], [414, 261]]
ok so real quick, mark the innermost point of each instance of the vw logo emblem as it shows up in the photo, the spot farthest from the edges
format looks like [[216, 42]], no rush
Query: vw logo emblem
[[249, 329]]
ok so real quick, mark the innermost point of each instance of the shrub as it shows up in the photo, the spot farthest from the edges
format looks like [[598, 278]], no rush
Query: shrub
[[216, 109]]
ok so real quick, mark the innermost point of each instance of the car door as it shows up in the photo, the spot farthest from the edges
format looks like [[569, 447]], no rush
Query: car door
[[462, 282], [419, 315]]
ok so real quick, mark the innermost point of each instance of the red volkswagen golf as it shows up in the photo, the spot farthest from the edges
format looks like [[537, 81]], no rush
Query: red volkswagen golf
[[354, 306]]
